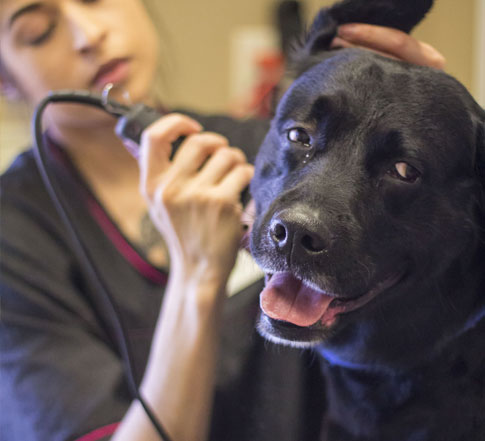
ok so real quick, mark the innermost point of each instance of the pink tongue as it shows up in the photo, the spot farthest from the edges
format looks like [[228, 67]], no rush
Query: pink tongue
[[287, 298]]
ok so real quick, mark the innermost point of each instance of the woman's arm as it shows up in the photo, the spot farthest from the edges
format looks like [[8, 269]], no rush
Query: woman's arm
[[194, 202]]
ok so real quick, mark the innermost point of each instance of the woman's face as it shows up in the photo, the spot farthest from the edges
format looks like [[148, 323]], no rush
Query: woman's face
[[77, 44]]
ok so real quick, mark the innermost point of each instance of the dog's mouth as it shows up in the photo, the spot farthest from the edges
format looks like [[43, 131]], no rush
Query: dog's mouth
[[289, 299]]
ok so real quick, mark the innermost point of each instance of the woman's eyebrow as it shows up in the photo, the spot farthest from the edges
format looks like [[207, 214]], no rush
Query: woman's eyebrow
[[26, 9]]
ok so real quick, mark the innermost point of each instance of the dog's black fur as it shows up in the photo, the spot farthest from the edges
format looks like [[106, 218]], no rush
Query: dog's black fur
[[409, 365]]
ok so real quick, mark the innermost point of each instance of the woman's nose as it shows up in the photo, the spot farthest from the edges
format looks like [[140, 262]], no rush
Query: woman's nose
[[88, 30]]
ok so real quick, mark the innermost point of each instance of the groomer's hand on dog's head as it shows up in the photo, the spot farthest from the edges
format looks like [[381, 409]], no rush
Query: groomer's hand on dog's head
[[389, 42]]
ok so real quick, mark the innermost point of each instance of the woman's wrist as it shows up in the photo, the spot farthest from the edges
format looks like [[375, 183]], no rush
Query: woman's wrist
[[198, 288], [203, 269]]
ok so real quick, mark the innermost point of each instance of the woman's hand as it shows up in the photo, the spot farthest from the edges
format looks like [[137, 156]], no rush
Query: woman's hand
[[194, 199], [389, 42]]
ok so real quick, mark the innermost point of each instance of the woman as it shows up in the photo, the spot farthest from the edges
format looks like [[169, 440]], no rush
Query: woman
[[62, 377]]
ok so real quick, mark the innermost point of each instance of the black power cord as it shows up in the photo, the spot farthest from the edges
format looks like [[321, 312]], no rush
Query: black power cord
[[132, 121]]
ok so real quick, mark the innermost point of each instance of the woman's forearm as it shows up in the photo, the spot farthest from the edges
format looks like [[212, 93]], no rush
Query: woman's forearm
[[179, 379]]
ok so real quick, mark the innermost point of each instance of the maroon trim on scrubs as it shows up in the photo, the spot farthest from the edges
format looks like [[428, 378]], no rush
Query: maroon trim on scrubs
[[122, 245], [102, 218], [99, 433]]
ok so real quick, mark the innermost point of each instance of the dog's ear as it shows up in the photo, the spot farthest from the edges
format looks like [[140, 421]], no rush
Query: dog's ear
[[398, 14]]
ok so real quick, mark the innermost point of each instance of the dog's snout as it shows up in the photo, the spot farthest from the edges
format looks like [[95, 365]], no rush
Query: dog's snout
[[297, 232]]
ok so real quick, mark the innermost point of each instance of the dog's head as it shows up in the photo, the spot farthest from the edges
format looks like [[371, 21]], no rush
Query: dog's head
[[369, 204]]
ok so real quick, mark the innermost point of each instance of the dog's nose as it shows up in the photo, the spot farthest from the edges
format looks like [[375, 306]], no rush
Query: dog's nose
[[296, 231]]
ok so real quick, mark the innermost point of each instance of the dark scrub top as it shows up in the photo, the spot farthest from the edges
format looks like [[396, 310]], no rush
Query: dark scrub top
[[61, 375]]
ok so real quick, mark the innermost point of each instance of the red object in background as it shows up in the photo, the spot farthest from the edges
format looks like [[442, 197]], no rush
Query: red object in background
[[270, 68]]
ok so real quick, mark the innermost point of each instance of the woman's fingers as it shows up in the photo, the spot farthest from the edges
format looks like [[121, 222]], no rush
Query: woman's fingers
[[431, 56], [338, 42], [195, 151], [236, 181], [219, 164], [390, 42], [156, 147]]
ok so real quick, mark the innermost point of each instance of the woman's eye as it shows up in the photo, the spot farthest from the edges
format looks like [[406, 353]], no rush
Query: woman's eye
[[404, 172], [43, 37], [36, 29], [299, 136]]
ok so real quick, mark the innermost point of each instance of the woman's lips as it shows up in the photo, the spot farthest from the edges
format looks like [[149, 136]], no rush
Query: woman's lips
[[115, 71]]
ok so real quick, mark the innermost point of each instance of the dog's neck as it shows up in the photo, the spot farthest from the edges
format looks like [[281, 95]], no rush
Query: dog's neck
[[381, 406]]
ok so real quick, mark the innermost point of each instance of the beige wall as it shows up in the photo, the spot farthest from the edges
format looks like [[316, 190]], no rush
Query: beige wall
[[14, 131], [200, 31], [479, 51], [450, 28], [198, 34]]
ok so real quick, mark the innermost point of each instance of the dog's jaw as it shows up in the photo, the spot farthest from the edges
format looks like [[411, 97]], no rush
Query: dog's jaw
[[287, 334]]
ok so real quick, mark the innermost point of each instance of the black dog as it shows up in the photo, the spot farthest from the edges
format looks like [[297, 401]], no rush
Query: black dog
[[369, 193]]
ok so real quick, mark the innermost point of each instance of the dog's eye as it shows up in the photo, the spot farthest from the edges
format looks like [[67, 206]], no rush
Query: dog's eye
[[299, 136], [404, 172]]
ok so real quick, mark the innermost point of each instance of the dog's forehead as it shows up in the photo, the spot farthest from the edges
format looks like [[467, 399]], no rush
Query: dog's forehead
[[360, 81], [357, 90]]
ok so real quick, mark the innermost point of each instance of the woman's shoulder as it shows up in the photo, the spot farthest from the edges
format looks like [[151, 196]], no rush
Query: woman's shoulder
[[22, 184], [22, 189], [28, 217], [21, 172]]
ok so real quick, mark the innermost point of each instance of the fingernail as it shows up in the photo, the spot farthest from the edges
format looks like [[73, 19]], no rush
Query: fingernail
[[347, 30]]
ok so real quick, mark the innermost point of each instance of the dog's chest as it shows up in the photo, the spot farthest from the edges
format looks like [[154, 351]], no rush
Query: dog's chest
[[445, 401]]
